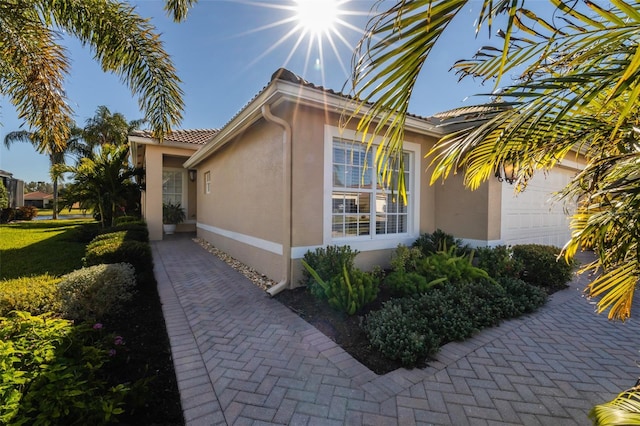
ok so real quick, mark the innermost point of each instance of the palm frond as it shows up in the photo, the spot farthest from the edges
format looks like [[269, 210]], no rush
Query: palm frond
[[622, 410], [32, 71], [126, 44]]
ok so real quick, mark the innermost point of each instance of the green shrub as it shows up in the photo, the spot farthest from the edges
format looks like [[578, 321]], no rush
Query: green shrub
[[455, 268], [7, 215], [114, 251], [26, 213], [526, 297], [37, 295], [440, 241], [111, 236], [127, 219], [348, 292], [406, 259], [126, 232], [52, 373], [483, 302], [84, 233], [497, 261], [542, 267], [327, 263], [408, 283], [394, 330], [410, 328], [4, 196], [90, 294], [135, 231]]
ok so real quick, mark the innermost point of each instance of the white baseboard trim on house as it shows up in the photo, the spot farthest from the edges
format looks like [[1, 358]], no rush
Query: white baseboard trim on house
[[266, 245], [299, 252]]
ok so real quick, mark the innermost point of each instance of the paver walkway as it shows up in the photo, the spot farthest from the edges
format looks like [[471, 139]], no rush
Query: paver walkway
[[243, 358]]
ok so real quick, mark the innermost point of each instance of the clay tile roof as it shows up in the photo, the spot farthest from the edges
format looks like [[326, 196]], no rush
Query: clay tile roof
[[38, 195], [286, 75], [191, 136]]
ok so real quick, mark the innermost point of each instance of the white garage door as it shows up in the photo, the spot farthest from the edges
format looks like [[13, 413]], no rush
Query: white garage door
[[533, 217]]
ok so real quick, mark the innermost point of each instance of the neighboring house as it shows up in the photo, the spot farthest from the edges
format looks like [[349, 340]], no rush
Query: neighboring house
[[15, 188], [165, 179], [283, 177], [38, 199]]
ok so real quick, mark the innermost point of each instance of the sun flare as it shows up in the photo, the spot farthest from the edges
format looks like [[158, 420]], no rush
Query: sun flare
[[317, 16], [315, 28]]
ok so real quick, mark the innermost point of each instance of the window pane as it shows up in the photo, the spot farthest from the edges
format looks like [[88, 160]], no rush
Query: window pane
[[351, 213], [172, 186], [349, 160]]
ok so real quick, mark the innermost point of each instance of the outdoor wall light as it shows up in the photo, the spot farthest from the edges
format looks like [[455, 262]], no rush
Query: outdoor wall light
[[192, 175], [507, 171]]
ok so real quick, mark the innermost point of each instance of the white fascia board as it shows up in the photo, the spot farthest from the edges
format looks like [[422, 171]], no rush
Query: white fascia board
[[142, 140]]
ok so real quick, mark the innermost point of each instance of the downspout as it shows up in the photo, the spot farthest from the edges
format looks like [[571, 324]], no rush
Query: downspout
[[286, 201]]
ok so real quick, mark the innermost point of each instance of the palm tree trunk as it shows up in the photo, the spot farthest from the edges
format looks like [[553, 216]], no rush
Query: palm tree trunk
[[55, 198]]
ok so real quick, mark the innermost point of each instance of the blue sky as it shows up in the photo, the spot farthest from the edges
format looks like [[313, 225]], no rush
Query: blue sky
[[225, 53]]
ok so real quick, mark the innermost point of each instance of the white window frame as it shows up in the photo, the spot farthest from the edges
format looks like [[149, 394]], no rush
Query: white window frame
[[372, 241], [207, 182], [185, 187]]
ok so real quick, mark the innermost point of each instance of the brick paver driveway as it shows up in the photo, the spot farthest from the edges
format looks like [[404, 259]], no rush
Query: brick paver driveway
[[243, 358]]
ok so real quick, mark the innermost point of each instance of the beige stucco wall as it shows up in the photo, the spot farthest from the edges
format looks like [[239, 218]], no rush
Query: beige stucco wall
[[472, 215], [243, 214], [157, 157]]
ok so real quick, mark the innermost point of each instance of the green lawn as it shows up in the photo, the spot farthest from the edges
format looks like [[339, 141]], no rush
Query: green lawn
[[38, 247], [66, 212]]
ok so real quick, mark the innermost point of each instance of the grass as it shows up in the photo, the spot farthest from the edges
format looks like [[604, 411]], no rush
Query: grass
[[66, 212], [38, 247]]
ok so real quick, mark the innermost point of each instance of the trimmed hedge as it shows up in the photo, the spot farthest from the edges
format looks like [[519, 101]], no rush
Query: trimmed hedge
[[127, 219], [129, 243], [92, 293], [114, 251], [37, 295]]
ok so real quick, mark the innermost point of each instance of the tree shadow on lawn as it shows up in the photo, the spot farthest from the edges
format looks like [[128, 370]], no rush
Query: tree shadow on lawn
[[57, 255]]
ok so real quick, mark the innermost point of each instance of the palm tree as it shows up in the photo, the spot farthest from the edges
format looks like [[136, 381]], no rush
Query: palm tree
[[107, 127], [578, 91], [34, 65], [103, 128], [102, 182]]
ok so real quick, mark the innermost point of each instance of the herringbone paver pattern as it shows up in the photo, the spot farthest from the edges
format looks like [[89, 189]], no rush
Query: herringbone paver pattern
[[243, 358]]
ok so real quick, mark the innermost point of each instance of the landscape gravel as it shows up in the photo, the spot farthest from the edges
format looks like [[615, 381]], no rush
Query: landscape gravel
[[257, 278]]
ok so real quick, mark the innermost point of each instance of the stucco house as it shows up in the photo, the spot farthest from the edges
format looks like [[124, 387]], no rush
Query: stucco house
[[15, 188], [283, 177], [38, 199]]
